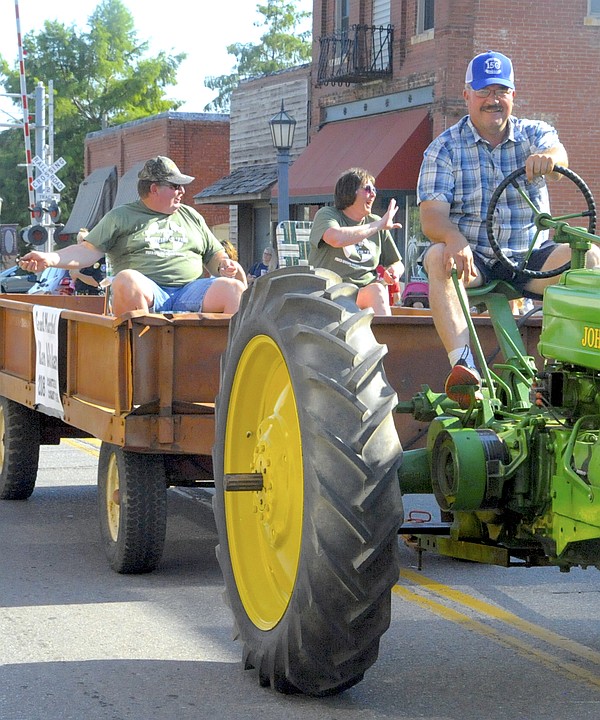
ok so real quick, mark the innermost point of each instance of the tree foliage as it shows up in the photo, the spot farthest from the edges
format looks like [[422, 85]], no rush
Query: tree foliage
[[279, 48], [102, 77]]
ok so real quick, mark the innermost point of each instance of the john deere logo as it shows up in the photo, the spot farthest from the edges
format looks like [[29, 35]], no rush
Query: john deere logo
[[591, 337]]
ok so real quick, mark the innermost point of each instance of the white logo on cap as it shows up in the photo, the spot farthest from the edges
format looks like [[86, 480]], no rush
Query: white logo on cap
[[493, 66]]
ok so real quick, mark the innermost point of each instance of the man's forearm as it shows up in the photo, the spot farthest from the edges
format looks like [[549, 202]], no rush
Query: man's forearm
[[73, 257]]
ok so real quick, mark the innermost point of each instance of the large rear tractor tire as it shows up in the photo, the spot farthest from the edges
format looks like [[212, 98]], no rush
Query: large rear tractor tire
[[307, 501], [19, 450], [132, 503]]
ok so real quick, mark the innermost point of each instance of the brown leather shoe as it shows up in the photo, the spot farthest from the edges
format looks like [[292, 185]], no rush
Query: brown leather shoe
[[462, 384]]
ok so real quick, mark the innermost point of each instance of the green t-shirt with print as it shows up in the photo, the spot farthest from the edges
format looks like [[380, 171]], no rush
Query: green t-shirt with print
[[169, 249], [354, 263]]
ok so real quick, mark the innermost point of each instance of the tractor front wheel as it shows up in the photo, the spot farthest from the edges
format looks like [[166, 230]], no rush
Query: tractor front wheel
[[307, 501]]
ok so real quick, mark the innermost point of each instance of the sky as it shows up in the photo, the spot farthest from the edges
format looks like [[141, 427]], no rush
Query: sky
[[201, 29]]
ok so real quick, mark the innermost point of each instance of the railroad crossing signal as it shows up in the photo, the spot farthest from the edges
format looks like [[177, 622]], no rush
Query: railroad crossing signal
[[48, 172], [35, 235]]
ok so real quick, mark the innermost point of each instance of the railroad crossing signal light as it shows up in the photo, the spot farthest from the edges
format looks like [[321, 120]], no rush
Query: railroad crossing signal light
[[59, 237], [37, 211], [34, 235], [54, 211], [40, 209]]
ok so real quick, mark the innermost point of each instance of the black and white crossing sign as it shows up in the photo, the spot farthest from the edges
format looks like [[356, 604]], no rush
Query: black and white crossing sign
[[48, 172]]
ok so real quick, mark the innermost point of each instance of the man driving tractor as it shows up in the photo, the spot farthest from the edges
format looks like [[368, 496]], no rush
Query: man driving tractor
[[460, 170]]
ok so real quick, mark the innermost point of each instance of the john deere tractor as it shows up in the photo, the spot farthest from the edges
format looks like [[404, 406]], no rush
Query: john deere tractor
[[309, 470], [519, 469]]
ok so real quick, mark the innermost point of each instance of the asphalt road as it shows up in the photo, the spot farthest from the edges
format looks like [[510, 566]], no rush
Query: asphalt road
[[80, 642]]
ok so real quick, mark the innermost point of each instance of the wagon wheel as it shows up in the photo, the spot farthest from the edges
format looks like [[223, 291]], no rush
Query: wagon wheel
[[132, 503], [307, 501], [19, 450], [522, 269]]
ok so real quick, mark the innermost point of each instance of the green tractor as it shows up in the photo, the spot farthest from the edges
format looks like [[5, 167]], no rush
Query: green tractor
[[310, 474]]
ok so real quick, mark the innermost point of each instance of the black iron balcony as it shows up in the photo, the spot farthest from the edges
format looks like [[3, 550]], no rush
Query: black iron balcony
[[361, 54]]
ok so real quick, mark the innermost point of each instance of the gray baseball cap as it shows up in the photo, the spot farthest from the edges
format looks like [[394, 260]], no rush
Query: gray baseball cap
[[163, 169]]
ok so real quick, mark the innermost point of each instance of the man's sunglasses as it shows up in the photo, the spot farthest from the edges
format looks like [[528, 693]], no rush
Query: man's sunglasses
[[171, 185]]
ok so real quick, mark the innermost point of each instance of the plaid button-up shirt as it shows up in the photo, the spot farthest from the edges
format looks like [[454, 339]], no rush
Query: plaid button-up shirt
[[462, 169]]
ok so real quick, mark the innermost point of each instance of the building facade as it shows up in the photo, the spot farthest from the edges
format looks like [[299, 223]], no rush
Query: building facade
[[247, 190]]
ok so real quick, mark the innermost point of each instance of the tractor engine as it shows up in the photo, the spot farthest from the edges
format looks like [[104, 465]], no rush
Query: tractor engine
[[530, 479]]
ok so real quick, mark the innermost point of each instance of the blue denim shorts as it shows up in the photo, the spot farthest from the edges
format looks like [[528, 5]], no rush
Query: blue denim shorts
[[185, 298]]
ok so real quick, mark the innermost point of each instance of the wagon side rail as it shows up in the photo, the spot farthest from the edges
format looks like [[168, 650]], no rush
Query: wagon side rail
[[142, 382]]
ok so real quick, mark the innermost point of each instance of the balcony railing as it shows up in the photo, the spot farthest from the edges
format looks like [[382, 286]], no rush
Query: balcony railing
[[361, 54]]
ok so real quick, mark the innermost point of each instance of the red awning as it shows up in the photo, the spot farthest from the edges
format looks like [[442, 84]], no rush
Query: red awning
[[389, 146]]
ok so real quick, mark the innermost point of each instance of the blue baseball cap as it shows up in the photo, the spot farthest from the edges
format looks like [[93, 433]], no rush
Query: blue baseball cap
[[490, 68]]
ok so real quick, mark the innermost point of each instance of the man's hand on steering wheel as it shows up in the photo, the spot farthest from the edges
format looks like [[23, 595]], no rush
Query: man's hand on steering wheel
[[588, 211], [538, 164]]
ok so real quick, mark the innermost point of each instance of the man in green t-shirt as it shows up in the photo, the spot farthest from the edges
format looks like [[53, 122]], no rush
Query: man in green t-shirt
[[352, 242], [158, 249]]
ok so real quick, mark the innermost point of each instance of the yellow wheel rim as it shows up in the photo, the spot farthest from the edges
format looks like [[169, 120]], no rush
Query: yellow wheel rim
[[264, 528], [113, 510]]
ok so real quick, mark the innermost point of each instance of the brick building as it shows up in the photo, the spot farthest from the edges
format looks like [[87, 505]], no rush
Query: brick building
[[197, 142]]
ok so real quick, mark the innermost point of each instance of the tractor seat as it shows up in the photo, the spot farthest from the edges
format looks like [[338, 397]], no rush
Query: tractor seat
[[480, 297]]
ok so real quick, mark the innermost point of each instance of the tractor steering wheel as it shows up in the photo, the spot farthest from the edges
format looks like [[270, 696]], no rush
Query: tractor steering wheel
[[511, 179]]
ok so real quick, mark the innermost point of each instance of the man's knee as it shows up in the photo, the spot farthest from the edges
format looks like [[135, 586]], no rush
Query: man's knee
[[223, 295], [233, 285], [236, 289], [562, 255], [130, 291], [433, 261], [126, 279], [592, 257]]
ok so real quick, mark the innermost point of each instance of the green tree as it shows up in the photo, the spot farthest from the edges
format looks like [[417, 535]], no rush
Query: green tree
[[279, 48], [102, 77]]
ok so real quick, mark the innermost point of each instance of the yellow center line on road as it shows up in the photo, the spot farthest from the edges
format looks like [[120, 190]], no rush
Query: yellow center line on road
[[485, 608], [85, 445], [556, 664]]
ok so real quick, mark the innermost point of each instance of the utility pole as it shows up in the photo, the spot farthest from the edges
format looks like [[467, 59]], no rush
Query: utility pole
[[43, 203]]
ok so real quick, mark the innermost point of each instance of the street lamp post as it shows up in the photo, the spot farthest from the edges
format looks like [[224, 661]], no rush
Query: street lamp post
[[282, 127]]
